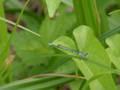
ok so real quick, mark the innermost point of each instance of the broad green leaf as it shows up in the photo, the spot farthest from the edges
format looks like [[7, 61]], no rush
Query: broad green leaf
[[66, 42], [114, 44], [87, 42], [114, 49], [52, 6], [30, 49], [57, 26]]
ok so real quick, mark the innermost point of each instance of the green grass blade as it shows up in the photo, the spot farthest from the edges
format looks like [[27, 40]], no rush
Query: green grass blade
[[3, 41], [19, 26], [36, 83], [87, 14]]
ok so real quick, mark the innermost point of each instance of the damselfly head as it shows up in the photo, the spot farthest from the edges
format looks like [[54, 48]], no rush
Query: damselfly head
[[50, 44], [53, 45], [83, 55]]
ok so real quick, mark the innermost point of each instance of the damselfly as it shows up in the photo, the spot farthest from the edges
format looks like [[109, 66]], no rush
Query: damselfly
[[82, 55]]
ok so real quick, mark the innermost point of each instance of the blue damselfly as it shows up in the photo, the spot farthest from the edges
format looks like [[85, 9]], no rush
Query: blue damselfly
[[81, 54]]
